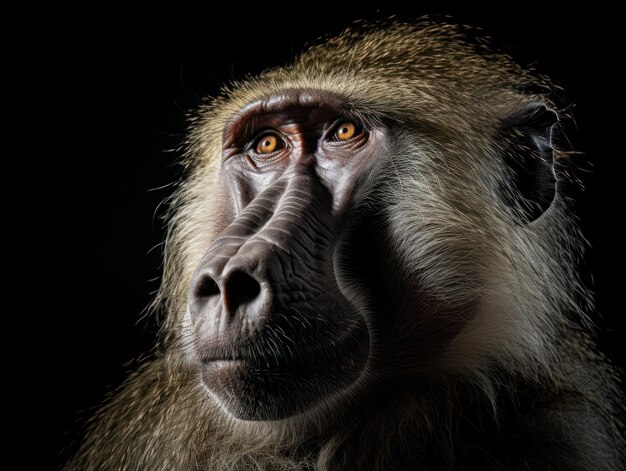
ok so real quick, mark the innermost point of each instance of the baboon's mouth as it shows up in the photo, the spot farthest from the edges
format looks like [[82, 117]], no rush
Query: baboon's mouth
[[277, 381]]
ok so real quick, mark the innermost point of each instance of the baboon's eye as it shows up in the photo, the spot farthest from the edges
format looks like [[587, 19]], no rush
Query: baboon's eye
[[268, 143], [345, 130]]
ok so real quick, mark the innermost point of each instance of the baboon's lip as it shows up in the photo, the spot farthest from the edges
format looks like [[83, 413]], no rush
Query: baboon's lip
[[275, 387], [344, 350]]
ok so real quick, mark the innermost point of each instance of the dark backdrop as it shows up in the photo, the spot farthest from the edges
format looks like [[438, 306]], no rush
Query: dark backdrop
[[112, 92]]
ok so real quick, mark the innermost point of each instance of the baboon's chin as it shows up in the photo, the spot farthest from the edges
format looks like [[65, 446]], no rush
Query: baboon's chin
[[273, 389]]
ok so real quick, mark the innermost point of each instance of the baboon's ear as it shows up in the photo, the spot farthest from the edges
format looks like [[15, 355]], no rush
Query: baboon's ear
[[530, 158]]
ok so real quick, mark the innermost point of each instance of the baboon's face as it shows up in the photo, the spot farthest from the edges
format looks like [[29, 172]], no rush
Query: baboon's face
[[343, 263], [277, 327]]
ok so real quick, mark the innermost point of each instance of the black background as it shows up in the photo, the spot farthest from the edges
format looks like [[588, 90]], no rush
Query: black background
[[111, 91]]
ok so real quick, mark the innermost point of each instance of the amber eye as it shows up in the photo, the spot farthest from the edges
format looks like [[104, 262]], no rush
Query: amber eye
[[269, 143], [345, 131]]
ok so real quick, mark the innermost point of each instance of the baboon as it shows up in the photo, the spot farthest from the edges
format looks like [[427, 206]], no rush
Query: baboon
[[372, 264]]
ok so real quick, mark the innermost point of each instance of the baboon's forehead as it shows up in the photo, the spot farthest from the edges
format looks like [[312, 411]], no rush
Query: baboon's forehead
[[399, 69], [414, 75]]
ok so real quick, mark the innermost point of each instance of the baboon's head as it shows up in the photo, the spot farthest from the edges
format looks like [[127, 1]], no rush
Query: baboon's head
[[382, 211]]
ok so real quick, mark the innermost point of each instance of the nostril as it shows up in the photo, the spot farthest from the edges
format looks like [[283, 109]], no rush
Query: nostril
[[240, 289], [206, 288]]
